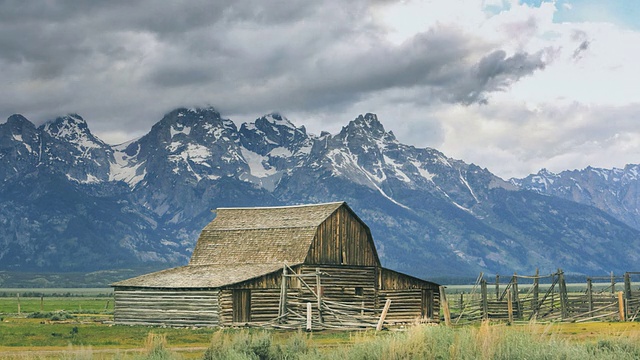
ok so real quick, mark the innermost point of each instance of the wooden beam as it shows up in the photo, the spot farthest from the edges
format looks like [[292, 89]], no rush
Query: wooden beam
[[387, 304], [309, 316], [319, 294], [283, 295]]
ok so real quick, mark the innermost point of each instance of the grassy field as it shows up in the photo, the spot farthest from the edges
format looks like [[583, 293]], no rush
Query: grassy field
[[78, 325]]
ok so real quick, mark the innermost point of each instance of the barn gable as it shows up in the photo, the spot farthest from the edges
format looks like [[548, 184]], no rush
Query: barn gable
[[343, 239]]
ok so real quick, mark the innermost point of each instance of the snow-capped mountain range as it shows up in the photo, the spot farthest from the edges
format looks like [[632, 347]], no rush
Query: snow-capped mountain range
[[70, 202]]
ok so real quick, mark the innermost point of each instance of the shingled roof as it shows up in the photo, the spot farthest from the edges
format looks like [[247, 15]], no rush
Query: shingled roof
[[244, 243], [200, 276], [260, 235]]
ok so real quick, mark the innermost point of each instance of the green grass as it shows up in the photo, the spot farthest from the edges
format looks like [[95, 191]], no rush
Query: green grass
[[485, 341], [56, 292], [87, 333], [9, 305]]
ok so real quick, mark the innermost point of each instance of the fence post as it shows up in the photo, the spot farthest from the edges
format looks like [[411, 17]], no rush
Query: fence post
[[516, 296], [509, 306], [445, 307], [563, 295], [309, 316], [621, 305], [590, 294], [613, 284], [485, 305], [627, 291], [536, 291], [497, 287], [18, 296]]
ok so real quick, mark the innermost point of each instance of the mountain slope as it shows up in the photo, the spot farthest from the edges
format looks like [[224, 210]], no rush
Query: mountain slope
[[70, 202], [615, 191]]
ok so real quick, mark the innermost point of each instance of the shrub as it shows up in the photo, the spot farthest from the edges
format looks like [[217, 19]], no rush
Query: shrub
[[156, 346], [53, 315]]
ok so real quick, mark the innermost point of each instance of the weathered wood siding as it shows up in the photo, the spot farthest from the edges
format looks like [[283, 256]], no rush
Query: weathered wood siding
[[264, 305], [406, 305], [268, 281], [393, 280], [411, 305], [171, 307], [342, 239], [339, 283], [349, 290], [411, 298]]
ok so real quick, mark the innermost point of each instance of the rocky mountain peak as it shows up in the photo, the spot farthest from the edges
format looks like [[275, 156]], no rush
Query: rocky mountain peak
[[58, 126], [367, 126], [19, 121], [72, 129], [273, 131], [18, 128], [188, 125]]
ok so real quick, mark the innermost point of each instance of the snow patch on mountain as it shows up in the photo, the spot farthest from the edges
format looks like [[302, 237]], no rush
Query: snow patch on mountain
[[258, 164], [126, 168], [174, 130], [281, 151], [396, 168], [423, 172]]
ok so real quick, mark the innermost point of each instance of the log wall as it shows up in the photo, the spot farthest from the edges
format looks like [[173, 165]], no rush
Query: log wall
[[170, 307], [406, 305]]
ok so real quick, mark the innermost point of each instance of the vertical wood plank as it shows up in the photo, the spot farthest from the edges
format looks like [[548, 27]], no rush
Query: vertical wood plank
[[509, 306], [485, 306], [590, 294], [445, 307], [621, 305], [387, 304]]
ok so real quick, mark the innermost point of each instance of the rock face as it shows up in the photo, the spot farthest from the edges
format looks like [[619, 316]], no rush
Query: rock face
[[615, 191], [70, 202]]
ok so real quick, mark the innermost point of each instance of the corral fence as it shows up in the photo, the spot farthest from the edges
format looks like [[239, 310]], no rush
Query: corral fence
[[546, 298]]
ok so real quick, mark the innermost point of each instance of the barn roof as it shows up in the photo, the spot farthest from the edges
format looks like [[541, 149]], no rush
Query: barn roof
[[200, 276], [244, 243], [260, 235]]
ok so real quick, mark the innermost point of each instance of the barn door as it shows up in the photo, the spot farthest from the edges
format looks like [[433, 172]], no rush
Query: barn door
[[241, 305], [427, 303]]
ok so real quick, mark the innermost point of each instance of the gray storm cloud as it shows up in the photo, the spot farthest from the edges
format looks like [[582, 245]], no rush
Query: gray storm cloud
[[250, 55]]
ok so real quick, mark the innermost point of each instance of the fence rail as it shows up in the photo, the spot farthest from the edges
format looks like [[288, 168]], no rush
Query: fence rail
[[524, 298]]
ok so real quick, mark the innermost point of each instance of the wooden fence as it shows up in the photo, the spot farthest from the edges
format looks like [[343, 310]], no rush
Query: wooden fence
[[546, 298]]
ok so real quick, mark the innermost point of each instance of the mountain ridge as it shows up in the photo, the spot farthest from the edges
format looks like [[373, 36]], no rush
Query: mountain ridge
[[146, 200]]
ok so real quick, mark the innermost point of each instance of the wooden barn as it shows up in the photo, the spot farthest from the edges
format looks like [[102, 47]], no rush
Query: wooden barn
[[280, 267]]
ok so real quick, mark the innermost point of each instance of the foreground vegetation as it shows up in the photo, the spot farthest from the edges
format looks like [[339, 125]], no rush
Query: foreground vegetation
[[31, 338], [80, 327]]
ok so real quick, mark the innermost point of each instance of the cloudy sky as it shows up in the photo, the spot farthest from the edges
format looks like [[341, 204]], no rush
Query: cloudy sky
[[513, 86]]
